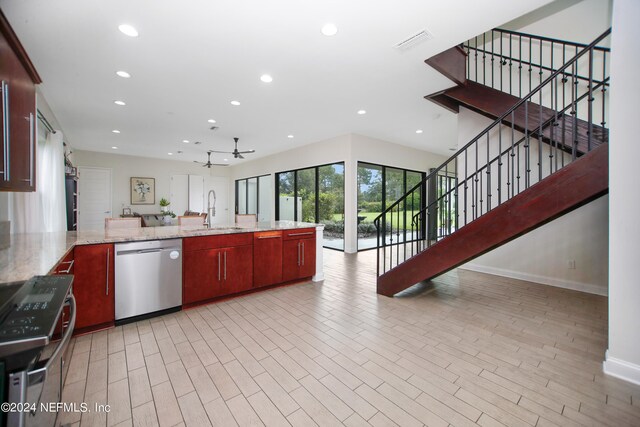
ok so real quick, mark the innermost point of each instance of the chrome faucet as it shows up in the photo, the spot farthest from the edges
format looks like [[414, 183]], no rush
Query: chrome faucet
[[211, 208]]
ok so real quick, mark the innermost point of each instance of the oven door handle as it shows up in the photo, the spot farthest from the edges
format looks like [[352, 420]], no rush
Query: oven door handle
[[40, 375]]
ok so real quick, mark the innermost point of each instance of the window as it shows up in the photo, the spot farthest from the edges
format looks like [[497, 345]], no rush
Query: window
[[316, 195], [378, 188], [253, 196]]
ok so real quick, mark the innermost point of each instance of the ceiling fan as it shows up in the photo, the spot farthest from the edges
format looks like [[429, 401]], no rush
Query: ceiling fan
[[236, 154], [209, 164]]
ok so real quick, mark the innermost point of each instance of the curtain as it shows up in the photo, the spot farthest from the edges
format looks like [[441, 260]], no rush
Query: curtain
[[45, 209]]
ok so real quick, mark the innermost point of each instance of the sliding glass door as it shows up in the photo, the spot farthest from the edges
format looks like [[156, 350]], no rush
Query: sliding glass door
[[315, 195], [378, 188], [253, 196]]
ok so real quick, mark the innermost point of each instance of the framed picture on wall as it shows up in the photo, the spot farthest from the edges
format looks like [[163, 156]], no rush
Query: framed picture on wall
[[143, 191]]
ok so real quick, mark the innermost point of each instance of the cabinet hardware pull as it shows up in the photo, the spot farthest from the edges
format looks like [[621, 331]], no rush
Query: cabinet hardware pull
[[5, 130], [31, 135], [269, 237], [219, 263], [225, 265], [301, 234], [302, 253], [68, 269], [108, 256]]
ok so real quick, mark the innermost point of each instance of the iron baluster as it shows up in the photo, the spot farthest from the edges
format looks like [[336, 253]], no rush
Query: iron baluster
[[590, 102], [488, 177], [520, 66]]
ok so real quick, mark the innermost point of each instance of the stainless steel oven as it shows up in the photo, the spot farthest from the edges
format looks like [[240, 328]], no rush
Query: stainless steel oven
[[35, 350]]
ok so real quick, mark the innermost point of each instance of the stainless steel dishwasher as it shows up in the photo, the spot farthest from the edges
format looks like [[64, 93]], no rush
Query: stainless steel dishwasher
[[148, 277]]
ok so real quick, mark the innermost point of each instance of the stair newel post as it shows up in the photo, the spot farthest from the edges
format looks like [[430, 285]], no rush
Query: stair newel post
[[397, 233], [466, 186], [488, 176], [526, 146], [590, 101], [475, 77], [510, 64], [492, 60], [574, 108], [500, 162], [484, 57], [604, 86], [501, 60], [520, 65], [376, 222], [513, 155]]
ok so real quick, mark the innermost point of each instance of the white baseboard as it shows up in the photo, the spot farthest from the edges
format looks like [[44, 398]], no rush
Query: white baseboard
[[621, 369], [551, 281]]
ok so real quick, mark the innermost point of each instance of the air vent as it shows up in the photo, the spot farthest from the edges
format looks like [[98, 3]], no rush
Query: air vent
[[197, 142], [214, 128], [413, 40]]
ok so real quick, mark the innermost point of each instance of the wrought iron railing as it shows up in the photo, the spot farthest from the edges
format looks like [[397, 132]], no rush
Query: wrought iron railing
[[523, 146]]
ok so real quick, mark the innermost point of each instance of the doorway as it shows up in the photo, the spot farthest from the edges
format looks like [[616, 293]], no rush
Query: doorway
[[94, 197]]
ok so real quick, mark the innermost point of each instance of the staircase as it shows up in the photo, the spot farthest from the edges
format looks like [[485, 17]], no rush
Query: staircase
[[542, 157]]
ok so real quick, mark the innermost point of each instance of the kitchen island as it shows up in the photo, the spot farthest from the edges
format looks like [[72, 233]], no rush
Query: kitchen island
[[217, 262]]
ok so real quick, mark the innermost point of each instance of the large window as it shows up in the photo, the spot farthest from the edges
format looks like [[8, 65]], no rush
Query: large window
[[378, 188], [316, 195], [253, 196]]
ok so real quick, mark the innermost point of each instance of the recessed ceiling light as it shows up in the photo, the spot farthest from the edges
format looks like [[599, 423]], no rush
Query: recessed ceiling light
[[266, 78], [289, 136], [171, 154], [186, 141], [128, 30], [419, 131], [235, 102], [115, 131], [123, 74], [226, 160], [211, 121], [361, 112], [114, 148], [119, 102], [329, 30]]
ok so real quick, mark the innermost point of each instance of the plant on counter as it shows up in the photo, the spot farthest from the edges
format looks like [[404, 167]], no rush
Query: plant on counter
[[164, 203]]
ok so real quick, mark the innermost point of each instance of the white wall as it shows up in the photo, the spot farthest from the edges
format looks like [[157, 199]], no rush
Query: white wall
[[125, 167], [623, 356], [543, 255], [349, 149]]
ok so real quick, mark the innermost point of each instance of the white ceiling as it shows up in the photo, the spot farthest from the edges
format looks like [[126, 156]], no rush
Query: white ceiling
[[194, 56]]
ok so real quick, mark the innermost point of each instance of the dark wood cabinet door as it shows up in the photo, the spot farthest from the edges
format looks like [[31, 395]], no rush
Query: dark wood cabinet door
[[19, 113], [290, 260], [267, 258], [201, 275], [307, 257], [237, 269], [93, 285]]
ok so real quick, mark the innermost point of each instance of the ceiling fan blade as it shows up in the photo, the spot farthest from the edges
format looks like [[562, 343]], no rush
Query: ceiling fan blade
[[247, 152], [239, 156], [219, 164], [223, 152]]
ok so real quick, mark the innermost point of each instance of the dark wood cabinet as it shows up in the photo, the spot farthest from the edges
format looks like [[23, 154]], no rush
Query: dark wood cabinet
[[298, 254], [18, 107], [267, 258], [93, 286], [215, 266]]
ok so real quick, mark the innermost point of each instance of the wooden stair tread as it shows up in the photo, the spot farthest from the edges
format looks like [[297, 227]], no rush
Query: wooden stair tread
[[576, 184]]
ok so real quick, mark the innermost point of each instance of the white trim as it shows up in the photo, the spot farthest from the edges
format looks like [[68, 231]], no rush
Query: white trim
[[319, 276], [544, 280], [621, 369]]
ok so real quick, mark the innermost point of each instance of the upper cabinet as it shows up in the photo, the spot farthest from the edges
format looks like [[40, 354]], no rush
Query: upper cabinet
[[18, 108]]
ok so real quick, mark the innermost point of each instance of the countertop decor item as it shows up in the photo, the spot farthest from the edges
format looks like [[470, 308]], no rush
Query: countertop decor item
[[164, 205], [143, 191]]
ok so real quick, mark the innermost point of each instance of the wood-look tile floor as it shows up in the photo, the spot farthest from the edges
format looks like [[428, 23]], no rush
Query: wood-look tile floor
[[468, 349]]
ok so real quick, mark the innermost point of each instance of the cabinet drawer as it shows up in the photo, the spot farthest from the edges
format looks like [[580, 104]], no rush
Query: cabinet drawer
[[300, 233], [263, 235], [219, 241]]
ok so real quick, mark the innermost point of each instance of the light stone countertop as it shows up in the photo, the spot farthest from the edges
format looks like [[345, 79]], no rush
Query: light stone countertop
[[37, 253]]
